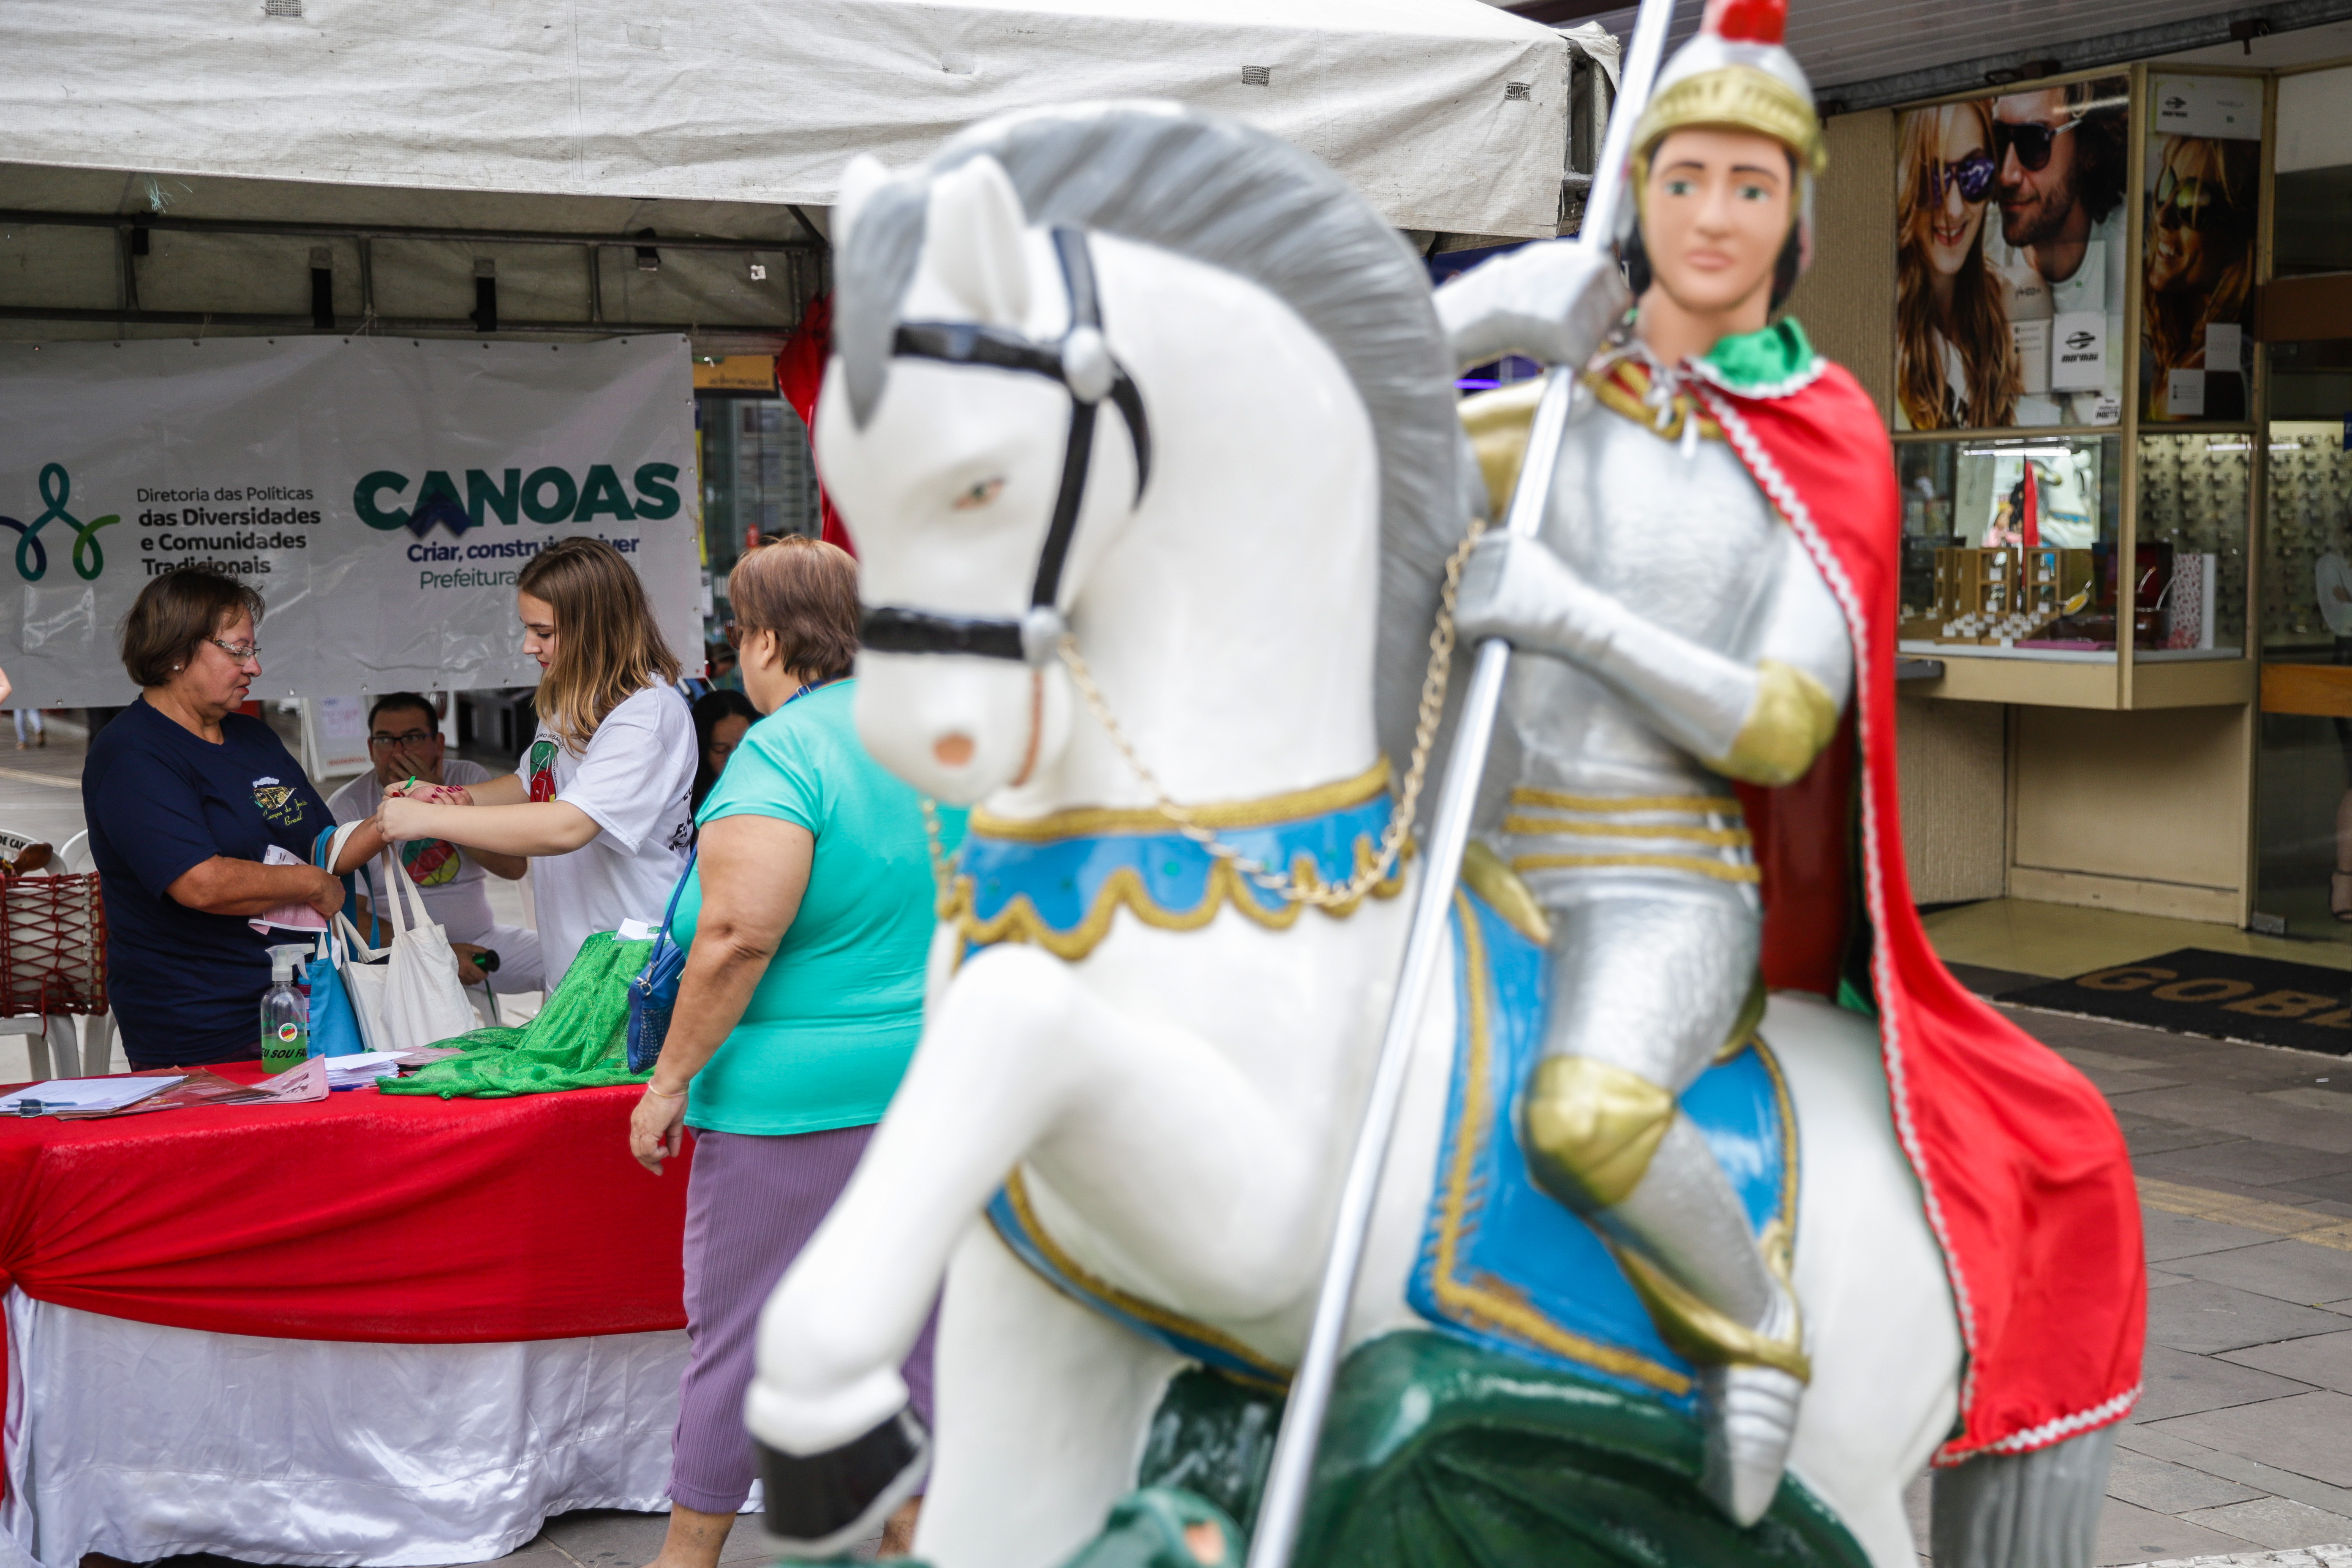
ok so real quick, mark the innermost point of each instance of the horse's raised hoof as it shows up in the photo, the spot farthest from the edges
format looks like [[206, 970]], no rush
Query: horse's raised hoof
[[1751, 1414], [820, 1505]]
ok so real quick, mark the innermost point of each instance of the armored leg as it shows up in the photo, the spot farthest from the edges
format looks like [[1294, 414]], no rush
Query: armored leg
[[1651, 979]]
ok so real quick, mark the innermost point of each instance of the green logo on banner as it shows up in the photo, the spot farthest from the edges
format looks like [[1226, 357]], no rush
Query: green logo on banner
[[33, 552]]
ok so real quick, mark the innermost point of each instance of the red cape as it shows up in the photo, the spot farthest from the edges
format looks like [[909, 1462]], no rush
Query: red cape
[[2025, 1173]]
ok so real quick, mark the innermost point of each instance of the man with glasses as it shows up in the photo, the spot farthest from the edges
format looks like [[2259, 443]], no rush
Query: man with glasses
[[2059, 155], [404, 741]]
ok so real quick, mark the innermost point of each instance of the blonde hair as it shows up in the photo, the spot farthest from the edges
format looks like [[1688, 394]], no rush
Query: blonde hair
[[1979, 319], [2177, 319], [607, 648]]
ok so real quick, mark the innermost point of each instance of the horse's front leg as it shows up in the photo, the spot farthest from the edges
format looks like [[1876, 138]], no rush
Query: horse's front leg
[[1148, 1131]]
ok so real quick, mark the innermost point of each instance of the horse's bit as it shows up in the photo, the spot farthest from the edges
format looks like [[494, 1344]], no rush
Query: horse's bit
[[1082, 362]]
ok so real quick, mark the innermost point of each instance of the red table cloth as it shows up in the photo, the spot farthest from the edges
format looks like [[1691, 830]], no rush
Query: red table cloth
[[363, 1216]]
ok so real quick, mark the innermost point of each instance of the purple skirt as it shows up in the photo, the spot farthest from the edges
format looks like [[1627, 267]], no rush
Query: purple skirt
[[752, 1204]]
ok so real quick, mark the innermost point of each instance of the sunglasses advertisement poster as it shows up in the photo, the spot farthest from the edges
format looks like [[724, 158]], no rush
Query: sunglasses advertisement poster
[[2009, 258], [2204, 184]]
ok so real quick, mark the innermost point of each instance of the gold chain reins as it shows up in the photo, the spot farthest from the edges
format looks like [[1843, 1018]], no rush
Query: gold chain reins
[[1285, 886]]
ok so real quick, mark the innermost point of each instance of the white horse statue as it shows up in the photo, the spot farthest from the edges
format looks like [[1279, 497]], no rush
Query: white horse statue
[[1154, 380]]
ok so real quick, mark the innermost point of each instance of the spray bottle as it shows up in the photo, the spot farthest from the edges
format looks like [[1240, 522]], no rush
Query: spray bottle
[[285, 1011]]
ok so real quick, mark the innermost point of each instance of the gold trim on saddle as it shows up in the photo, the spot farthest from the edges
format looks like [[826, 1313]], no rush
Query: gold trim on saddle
[[1267, 810], [1482, 1298], [1122, 888], [1225, 884]]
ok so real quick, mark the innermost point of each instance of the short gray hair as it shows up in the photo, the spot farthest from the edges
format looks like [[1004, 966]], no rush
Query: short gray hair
[[1219, 191]]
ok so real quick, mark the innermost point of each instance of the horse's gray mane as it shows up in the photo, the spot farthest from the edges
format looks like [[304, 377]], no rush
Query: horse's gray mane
[[1223, 192]]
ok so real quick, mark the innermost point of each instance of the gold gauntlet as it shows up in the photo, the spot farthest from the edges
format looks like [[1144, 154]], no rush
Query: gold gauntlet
[[1794, 718]]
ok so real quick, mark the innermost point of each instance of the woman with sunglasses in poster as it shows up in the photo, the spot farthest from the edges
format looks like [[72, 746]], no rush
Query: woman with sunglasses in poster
[[2200, 269], [1955, 364]]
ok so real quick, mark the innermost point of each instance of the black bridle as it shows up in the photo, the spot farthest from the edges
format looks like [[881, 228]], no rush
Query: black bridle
[[1082, 362]]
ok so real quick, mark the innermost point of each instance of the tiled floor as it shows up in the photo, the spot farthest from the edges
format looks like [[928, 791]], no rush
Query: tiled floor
[[2055, 940], [2243, 1441]]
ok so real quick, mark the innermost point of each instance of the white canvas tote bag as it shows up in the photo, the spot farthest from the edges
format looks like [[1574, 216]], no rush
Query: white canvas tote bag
[[423, 1000], [364, 970]]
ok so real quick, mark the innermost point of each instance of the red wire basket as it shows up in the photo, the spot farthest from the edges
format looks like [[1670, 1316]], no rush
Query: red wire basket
[[52, 946]]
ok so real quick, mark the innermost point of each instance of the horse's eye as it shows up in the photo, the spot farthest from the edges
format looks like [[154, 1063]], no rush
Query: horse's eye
[[981, 493]]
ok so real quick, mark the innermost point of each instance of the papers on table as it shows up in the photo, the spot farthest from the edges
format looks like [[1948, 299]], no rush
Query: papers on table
[[362, 1068], [83, 1094]]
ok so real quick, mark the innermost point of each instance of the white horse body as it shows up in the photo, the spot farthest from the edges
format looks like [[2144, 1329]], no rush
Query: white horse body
[[1182, 1104]]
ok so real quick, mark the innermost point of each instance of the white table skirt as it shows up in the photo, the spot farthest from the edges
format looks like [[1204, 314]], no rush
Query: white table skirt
[[144, 1442]]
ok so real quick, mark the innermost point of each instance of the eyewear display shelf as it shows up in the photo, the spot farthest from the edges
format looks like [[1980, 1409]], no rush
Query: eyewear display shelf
[[2134, 590]]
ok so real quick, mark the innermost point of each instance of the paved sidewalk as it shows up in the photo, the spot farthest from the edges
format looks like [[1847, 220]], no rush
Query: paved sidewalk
[[2243, 1439]]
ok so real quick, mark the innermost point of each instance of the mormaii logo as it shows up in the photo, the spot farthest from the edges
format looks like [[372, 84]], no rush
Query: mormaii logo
[[89, 555], [547, 495]]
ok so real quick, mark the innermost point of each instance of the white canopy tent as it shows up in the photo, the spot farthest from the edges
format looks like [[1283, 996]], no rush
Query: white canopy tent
[[1447, 114]]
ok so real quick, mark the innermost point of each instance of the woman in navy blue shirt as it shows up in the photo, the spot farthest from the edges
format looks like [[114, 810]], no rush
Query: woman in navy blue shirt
[[184, 796]]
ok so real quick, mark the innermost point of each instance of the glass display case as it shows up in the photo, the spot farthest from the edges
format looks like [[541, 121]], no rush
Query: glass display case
[[2075, 421], [2010, 545], [2194, 497]]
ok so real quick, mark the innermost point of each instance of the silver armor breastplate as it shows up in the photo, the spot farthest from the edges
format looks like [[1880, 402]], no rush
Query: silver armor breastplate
[[1676, 531]]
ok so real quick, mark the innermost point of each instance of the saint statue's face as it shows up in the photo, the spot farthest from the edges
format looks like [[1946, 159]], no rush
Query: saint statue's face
[[1715, 215]]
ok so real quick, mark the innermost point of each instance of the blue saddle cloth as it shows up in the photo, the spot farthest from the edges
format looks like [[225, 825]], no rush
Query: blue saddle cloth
[[1503, 1264]]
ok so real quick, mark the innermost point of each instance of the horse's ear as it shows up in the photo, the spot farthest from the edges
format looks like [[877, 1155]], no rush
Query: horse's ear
[[975, 223], [864, 175]]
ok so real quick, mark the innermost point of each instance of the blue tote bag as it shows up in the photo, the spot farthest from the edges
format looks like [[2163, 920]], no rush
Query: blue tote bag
[[654, 991]]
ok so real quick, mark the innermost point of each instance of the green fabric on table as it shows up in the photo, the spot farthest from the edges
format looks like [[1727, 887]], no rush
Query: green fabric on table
[[828, 1032], [580, 1039]]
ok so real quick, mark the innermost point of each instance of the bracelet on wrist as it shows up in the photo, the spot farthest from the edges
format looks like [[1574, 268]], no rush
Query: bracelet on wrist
[[663, 1092]]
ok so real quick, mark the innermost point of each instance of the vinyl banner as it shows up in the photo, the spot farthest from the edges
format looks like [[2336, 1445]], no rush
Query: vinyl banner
[[382, 494]]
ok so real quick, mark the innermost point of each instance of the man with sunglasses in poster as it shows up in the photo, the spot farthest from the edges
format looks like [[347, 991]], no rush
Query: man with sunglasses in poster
[[2060, 165]]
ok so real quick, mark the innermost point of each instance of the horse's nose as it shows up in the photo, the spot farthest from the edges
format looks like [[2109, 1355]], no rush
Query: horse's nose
[[952, 751]]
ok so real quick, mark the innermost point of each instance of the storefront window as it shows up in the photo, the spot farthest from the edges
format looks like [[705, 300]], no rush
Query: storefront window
[[2304, 827], [2009, 545], [2193, 543]]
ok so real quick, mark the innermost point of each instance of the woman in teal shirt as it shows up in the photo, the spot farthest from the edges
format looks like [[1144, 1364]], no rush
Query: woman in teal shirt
[[807, 922]]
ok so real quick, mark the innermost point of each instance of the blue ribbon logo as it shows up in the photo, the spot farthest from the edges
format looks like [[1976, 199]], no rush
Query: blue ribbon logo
[[33, 553]]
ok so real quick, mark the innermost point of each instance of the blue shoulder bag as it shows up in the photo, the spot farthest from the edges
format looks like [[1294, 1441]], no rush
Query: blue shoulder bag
[[654, 991]]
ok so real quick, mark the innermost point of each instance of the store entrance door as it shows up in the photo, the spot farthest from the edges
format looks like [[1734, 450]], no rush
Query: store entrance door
[[2304, 809]]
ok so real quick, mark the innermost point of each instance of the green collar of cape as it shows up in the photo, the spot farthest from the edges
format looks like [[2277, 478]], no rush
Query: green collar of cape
[[1772, 362]]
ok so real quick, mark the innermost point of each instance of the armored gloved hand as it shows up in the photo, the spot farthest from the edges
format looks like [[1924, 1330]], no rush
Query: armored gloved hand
[[1517, 590], [1763, 722], [1553, 301]]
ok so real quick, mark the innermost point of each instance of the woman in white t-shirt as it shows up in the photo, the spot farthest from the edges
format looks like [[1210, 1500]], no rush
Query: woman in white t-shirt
[[599, 802]]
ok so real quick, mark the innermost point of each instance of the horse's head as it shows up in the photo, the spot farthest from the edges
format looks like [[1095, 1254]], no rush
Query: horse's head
[[1007, 453], [1152, 372]]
